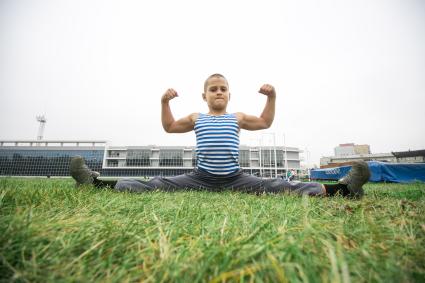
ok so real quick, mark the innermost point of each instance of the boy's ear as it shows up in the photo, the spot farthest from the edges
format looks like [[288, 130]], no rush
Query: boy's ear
[[229, 95], [204, 97]]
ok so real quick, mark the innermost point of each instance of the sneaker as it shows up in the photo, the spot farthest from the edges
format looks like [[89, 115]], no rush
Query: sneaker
[[80, 172], [358, 175]]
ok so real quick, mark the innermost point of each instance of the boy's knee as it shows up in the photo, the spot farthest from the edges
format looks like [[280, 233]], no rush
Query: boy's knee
[[156, 183]]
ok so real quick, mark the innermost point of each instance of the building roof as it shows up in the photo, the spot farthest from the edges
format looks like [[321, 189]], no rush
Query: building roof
[[409, 153], [346, 144]]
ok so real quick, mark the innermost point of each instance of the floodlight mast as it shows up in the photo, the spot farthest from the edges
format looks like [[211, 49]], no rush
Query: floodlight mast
[[42, 120]]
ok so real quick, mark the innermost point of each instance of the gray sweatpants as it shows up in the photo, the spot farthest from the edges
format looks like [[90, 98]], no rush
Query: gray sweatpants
[[201, 180]]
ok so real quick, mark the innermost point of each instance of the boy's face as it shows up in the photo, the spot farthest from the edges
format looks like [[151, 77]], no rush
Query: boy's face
[[217, 94]]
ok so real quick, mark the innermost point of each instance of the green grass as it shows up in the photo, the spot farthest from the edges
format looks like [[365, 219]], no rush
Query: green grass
[[53, 232]]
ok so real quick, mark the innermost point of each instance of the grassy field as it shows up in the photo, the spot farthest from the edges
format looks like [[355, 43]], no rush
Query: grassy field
[[53, 232]]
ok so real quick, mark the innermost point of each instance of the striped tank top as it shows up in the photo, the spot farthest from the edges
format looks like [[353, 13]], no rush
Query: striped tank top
[[217, 143]]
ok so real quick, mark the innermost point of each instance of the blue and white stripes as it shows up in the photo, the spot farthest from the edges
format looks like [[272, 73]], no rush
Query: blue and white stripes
[[217, 143]]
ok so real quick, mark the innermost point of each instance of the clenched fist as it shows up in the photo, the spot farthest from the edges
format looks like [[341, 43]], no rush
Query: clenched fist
[[268, 90], [168, 95]]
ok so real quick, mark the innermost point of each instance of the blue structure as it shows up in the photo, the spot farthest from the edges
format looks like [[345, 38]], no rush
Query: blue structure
[[381, 172]]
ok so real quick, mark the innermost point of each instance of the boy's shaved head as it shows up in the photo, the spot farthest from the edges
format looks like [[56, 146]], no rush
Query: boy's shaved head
[[214, 76]]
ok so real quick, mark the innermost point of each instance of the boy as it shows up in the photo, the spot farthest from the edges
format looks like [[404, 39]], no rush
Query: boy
[[217, 148]]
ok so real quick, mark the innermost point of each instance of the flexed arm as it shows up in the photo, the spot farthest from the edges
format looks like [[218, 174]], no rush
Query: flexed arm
[[252, 123], [170, 125]]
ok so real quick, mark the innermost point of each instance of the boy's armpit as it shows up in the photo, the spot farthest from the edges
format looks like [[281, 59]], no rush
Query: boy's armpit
[[239, 117], [194, 117]]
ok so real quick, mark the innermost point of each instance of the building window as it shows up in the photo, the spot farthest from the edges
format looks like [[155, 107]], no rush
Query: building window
[[244, 158], [170, 158], [49, 162], [138, 158]]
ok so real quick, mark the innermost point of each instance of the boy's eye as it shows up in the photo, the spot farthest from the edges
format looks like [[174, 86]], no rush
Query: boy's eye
[[213, 89], [223, 89]]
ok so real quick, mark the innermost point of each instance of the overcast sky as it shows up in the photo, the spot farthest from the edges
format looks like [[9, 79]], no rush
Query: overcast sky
[[345, 71]]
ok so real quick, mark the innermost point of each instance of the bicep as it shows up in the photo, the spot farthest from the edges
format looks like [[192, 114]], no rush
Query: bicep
[[251, 122], [183, 125]]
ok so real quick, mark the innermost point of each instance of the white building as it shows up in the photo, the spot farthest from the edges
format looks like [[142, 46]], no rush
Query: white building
[[51, 158], [347, 149], [332, 161]]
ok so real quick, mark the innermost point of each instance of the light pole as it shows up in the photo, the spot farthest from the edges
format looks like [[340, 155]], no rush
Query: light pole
[[270, 162], [307, 156], [286, 157], [275, 155], [42, 120], [259, 155]]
